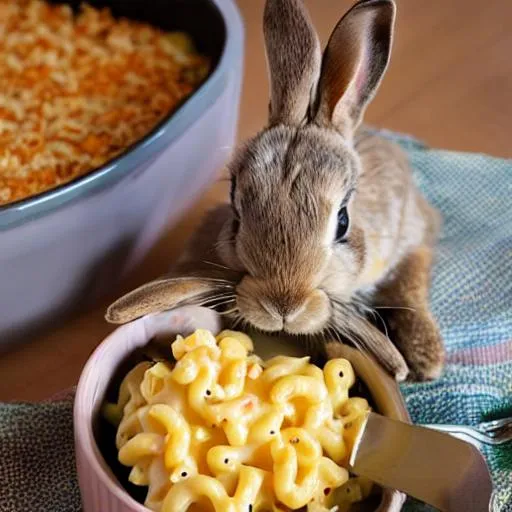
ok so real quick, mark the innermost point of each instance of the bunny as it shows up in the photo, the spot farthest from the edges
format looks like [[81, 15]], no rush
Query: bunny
[[326, 233]]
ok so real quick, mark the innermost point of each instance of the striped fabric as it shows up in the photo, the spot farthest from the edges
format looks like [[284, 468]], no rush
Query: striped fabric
[[471, 297]]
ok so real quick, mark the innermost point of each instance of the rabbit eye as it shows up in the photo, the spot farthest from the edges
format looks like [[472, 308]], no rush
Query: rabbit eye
[[232, 190], [343, 223], [236, 220], [235, 226]]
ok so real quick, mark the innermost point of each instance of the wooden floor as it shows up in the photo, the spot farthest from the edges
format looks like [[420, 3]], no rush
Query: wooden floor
[[449, 83]]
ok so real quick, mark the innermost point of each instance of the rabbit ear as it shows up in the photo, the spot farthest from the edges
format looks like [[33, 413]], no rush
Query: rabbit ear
[[293, 59], [354, 62], [157, 296]]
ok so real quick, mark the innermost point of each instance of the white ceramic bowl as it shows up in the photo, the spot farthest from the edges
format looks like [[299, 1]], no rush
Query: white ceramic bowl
[[68, 245], [100, 490]]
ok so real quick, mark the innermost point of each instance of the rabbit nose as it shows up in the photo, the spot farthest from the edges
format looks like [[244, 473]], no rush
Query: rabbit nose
[[309, 315], [284, 306], [291, 313], [270, 309], [283, 309]]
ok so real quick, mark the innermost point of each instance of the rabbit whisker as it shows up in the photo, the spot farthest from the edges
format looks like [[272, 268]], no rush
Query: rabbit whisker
[[237, 321], [215, 306], [395, 307], [225, 282], [227, 296], [222, 295], [376, 313], [212, 299], [331, 332], [229, 311], [352, 335], [218, 302], [204, 304], [222, 303], [213, 264]]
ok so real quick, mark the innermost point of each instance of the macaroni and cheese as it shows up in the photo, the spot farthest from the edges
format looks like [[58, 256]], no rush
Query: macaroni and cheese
[[77, 89], [222, 430]]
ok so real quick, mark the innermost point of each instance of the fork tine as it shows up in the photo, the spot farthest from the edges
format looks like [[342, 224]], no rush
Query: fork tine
[[493, 424], [500, 430], [494, 437]]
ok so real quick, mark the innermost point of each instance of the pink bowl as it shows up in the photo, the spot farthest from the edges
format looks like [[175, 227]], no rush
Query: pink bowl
[[100, 490]]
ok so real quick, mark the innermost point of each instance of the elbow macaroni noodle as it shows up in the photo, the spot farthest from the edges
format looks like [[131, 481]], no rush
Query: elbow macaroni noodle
[[222, 430]]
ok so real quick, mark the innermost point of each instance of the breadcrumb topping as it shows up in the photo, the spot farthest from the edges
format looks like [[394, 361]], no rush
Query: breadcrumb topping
[[76, 89]]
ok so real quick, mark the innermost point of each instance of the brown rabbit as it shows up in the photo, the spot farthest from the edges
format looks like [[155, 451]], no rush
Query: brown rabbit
[[325, 229]]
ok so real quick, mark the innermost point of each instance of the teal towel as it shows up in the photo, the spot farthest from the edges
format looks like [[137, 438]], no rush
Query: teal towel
[[471, 297]]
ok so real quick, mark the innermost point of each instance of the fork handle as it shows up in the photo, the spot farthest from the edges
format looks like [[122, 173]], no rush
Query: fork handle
[[474, 434]]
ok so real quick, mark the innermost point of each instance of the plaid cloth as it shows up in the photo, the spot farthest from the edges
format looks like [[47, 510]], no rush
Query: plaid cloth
[[471, 297]]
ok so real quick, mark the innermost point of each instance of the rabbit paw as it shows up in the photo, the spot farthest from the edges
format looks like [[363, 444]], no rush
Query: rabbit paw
[[417, 336]]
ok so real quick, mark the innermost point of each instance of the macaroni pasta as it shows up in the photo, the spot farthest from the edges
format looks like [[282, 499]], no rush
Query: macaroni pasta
[[222, 430]]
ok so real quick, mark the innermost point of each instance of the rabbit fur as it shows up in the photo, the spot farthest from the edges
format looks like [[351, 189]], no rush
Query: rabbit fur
[[277, 256]]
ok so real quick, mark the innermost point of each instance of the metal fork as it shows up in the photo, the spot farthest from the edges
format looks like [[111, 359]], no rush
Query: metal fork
[[493, 432]]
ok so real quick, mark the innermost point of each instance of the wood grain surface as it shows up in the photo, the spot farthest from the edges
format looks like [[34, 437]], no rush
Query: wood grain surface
[[449, 83]]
